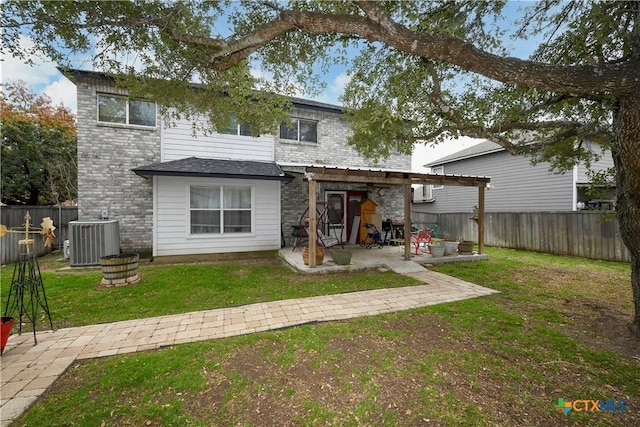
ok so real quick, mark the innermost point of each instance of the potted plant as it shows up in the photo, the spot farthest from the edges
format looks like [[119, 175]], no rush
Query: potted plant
[[5, 331], [436, 249], [341, 256], [319, 255], [451, 247], [465, 247]]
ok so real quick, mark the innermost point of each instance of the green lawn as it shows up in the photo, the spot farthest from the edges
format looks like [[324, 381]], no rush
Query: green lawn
[[76, 299], [555, 331]]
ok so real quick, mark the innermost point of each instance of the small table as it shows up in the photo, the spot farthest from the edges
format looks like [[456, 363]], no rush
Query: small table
[[398, 242]]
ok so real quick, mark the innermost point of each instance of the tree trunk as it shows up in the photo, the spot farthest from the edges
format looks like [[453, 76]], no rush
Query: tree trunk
[[626, 157]]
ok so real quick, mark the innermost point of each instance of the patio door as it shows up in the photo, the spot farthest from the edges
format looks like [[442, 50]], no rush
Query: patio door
[[336, 219]]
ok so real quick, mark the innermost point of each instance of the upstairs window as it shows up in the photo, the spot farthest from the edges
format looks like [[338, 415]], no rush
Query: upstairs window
[[300, 130], [236, 128], [120, 109]]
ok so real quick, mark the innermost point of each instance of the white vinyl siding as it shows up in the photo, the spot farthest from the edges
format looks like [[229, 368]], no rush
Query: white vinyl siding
[[604, 163], [172, 213], [179, 142], [517, 186]]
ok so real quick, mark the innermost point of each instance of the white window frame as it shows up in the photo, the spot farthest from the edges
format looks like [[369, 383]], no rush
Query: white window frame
[[127, 109], [437, 170], [221, 209], [239, 127], [296, 122]]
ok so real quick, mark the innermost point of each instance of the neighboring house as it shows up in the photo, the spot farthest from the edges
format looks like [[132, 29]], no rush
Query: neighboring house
[[174, 193], [516, 184]]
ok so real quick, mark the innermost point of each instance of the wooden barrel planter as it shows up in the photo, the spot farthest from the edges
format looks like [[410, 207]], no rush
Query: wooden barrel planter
[[120, 270], [319, 255], [465, 247]]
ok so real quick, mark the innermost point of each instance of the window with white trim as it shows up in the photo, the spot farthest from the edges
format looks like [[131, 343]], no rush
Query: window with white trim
[[300, 130], [437, 170], [121, 109], [220, 209], [236, 128]]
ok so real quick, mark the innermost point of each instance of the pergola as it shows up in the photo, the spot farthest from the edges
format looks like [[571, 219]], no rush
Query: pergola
[[370, 176]]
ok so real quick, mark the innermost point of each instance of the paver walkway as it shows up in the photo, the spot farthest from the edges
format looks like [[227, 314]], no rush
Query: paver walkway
[[28, 370]]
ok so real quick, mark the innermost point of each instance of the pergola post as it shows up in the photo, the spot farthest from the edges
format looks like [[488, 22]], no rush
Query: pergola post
[[312, 221], [481, 220], [407, 221]]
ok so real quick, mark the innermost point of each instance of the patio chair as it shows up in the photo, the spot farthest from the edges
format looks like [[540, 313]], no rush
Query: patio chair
[[423, 237]]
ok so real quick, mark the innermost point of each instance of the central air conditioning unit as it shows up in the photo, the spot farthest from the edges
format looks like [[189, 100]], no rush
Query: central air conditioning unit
[[422, 193], [91, 240]]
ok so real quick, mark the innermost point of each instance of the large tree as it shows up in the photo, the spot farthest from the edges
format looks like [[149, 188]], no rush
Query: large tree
[[38, 148], [420, 71]]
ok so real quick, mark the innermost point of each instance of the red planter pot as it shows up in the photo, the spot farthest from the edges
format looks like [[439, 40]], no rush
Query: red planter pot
[[7, 324]]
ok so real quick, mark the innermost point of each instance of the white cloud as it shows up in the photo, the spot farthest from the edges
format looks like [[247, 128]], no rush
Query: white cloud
[[41, 77], [339, 83], [62, 91], [40, 73]]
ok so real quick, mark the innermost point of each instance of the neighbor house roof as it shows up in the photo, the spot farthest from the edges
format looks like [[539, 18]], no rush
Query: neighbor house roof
[[215, 168], [74, 74], [481, 149]]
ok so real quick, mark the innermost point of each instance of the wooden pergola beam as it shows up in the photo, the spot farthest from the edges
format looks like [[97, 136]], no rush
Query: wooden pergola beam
[[369, 176]]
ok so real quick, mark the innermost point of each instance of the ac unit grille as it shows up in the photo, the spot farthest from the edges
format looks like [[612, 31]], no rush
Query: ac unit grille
[[91, 240]]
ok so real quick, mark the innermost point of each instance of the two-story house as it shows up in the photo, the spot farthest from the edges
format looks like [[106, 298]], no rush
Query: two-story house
[[516, 184], [179, 193]]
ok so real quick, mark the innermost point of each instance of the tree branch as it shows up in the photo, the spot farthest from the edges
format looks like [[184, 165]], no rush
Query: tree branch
[[618, 79]]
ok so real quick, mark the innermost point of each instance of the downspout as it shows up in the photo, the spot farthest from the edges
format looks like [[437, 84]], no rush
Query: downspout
[[481, 220], [575, 188]]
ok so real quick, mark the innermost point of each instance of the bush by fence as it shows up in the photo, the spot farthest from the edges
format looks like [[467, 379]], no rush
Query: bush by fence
[[13, 216], [583, 234]]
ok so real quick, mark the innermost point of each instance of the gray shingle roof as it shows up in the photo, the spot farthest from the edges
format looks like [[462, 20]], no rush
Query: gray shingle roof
[[215, 168], [485, 147], [308, 104]]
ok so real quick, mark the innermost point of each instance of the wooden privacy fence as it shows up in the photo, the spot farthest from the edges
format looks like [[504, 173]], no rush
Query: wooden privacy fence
[[13, 216], [583, 234]]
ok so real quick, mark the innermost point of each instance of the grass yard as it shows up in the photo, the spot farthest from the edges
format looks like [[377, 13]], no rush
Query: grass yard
[[76, 299], [556, 330]]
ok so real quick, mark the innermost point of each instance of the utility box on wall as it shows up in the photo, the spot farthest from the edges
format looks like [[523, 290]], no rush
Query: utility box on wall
[[91, 240]]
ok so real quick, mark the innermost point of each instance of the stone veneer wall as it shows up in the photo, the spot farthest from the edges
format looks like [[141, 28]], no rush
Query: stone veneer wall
[[295, 200], [106, 155], [331, 148]]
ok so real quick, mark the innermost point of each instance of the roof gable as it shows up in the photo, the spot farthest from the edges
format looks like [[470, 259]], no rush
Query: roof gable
[[481, 149]]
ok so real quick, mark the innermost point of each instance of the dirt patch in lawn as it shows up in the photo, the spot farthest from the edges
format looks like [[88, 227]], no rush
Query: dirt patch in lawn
[[598, 317], [415, 372]]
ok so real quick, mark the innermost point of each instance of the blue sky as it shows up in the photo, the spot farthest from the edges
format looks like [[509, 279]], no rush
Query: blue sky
[[43, 77]]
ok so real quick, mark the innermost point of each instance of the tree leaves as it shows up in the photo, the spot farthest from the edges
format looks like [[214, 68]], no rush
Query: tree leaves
[[38, 148]]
